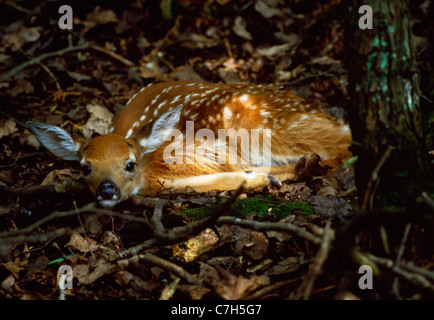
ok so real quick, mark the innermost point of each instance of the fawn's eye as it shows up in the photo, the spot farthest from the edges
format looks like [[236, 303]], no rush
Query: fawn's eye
[[86, 170], [130, 166]]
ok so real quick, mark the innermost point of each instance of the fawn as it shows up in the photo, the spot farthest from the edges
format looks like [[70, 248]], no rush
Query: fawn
[[175, 136]]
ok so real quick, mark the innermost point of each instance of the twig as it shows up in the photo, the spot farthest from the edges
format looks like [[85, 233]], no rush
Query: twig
[[428, 200], [228, 48], [40, 237], [151, 201], [169, 266], [272, 291], [373, 178], [47, 70], [183, 233], [29, 190], [414, 278], [37, 60], [401, 249], [70, 186], [133, 251], [54, 215], [144, 201], [411, 267], [305, 289], [86, 45], [10, 235], [267, 226], [112, 54], [196, 227]]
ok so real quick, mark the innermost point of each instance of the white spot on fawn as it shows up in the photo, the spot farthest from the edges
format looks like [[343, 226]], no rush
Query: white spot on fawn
[[244, 97], [227, 113]]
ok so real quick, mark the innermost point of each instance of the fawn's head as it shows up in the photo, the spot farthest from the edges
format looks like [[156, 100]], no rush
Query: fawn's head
[[112, 164]]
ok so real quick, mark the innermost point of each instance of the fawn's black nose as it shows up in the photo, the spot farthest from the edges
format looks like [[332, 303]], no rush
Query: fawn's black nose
[[107, 190]]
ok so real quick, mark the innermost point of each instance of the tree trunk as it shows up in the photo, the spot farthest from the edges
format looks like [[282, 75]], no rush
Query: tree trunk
[[385, 117]]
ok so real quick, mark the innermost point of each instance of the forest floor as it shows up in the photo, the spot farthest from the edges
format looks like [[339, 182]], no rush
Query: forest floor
[[293, 242]]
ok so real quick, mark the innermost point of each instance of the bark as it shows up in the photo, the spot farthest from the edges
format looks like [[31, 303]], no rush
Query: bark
[[385, 116]]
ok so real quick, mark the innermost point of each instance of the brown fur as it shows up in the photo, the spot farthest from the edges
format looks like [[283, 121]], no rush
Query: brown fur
[[298, 129]]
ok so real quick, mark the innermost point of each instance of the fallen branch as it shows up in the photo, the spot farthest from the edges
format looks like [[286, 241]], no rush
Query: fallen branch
[[268, 226], [134, 251], [369, 194], [16, 234], [112, 54], [151, 201], [83, 46], [306, 288], [37, 60], [70, 186], [398, 258], [171, 267], [179, 234], [414, 277]]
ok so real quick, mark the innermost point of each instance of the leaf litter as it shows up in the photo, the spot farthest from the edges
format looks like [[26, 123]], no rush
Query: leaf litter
[[119, 256]]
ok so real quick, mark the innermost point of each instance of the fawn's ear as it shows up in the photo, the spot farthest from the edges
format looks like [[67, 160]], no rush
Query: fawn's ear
[[154, 134], [57, 140]]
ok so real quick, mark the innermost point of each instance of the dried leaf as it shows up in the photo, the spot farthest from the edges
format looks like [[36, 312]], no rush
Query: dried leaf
[[133, 282], [274, 51], [57, 175], [22, 86], [149, 69], [295, 189], [16, 38], [240, 28], [37, 266], [196, 41], [284, 266], [97, 17], [327, 191], [84, 245], [324, 60], [195, 292], [267, 8], [78, 76], [109, 238], [188, 73], [347, 177], [15, 266], [89, 273], [330, 206], [99, 121], [230, 287], [8, 283], [7, 127], [254, 244]]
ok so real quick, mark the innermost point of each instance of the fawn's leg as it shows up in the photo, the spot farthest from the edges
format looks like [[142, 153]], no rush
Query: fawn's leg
[[257, 177]]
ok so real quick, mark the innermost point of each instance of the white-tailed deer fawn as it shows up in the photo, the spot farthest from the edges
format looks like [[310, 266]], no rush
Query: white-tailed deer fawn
[[181, 136]]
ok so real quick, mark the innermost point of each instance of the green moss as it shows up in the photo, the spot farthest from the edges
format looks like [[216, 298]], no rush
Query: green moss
[[255, 205], [198, 213], [283, 209], [269, 207], [264, 207]]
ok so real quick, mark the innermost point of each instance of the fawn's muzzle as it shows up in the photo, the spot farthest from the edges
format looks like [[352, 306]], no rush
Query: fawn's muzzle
[[108, 193]]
